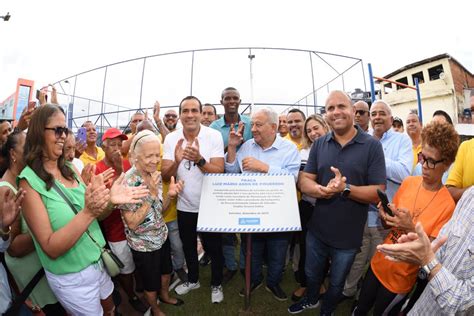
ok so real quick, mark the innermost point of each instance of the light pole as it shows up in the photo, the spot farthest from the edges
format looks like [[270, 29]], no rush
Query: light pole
[[5, 17]]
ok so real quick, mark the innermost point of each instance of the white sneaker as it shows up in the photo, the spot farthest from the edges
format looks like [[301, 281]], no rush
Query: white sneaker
[[186, 287], [217, 295]]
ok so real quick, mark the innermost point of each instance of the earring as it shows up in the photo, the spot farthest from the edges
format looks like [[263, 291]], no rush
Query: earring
[[14, 160]]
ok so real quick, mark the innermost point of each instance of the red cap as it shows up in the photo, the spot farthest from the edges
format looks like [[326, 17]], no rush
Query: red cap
[[113, 133]]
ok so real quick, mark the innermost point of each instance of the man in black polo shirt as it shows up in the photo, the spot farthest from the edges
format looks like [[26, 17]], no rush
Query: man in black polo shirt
[[344, 170]]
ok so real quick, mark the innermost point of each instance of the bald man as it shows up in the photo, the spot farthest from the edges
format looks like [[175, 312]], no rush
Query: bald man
[[362, 117]]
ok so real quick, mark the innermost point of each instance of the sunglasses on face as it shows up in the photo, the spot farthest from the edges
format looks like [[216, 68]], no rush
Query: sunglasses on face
[[361, 112], [170, 116], [58, 131]]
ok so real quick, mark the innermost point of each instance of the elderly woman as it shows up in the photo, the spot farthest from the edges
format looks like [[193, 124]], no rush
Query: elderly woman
[[419, 199], [68, 242], [21, 258], [314, 127], [145, 228]]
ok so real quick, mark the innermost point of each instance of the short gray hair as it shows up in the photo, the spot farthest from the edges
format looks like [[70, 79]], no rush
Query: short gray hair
[[387, 106], [270, 113]]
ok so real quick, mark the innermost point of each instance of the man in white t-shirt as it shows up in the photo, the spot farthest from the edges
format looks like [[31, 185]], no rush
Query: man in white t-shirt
[[188, 154]]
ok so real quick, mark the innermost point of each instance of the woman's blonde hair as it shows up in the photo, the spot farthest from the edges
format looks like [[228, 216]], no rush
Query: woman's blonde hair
[[318, 118]]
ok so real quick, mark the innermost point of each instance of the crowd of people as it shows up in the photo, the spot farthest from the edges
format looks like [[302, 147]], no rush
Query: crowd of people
[[64, 199]]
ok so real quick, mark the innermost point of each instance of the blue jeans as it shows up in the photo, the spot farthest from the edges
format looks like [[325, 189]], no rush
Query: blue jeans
[[277, 245], [317, 253], [177, 253], [228, 249]]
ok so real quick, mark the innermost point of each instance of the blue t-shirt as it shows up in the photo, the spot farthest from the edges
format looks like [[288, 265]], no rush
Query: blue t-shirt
[[221, 126], [339, 222]]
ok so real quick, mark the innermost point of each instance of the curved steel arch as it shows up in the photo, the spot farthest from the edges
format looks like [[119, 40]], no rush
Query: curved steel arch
[[311, 53]]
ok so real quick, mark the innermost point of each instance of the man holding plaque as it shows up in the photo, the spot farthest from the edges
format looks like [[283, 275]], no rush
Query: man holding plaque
[[344, 170], [266, 152]]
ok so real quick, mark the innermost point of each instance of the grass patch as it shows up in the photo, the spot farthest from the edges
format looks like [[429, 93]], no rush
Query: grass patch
[[198, 302]]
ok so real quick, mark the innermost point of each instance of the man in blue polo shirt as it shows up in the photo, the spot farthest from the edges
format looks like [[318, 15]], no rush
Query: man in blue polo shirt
[[230, 99], [344, 170]]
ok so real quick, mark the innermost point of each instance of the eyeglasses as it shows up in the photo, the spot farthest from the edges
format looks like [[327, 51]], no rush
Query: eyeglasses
[[58, 131], [187, 164], [430, 163], [171, 116], [361, 112]]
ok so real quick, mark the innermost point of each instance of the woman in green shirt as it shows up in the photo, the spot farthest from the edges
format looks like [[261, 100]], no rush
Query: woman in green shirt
[[70, 257], [21, 257]]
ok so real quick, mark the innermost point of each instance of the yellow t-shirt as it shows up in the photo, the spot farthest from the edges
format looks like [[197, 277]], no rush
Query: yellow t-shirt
[[462, 172], [298, 145], [87, 159], [171, 213], [416, 152]]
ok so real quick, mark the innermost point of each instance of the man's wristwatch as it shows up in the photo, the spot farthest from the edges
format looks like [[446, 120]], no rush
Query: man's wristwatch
[[430, 266], [201, 162], [347, 190]]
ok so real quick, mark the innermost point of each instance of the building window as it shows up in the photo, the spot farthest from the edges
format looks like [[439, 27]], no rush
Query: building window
[[435, 71], [403, 80], [419, 76], [388, 87]]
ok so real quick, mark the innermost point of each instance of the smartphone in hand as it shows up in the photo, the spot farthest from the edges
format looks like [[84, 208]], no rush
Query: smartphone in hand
[[384, 199], [82, 135]]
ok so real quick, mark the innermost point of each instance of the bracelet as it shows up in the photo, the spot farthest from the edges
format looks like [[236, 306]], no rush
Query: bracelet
[[4, 233]]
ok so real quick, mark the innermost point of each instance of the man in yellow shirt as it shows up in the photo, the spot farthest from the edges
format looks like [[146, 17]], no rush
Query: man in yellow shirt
[[92, 154], [295, 120], [461, 176]]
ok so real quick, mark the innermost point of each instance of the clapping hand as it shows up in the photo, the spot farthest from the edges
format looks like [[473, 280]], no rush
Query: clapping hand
[[179, 151], [10, 206], [334, 186], [97, 196], [414, 247], [87, 173], [121, 193], [191, 152], [156, 111], [175, 188]]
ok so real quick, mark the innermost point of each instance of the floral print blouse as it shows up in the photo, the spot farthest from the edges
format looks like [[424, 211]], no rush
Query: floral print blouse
[[151, 234]]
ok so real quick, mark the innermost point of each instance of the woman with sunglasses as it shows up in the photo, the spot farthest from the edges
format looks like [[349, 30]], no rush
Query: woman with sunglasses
[[145, 228], [21, 257], [68, 244], [419, 199], [314, 127]]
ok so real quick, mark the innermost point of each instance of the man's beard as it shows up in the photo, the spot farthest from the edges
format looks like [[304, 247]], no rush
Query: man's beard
[[171, 126]]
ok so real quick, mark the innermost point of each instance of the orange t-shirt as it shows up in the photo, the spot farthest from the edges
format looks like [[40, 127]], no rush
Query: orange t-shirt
[[432, 211]]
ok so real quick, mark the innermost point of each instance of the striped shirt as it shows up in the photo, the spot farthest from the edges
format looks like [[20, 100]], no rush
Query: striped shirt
[[451, 291]]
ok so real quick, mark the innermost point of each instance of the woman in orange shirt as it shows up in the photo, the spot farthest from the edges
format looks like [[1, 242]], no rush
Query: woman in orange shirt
[[419, 199]]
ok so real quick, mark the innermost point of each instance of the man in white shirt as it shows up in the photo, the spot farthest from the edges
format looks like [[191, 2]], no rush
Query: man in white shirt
[[188, 154]]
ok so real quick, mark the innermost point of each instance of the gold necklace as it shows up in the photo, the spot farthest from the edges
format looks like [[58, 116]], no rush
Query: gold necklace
[[416, 215]]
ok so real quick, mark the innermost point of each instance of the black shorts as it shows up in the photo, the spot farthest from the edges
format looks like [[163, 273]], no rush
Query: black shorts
[[151, 265]]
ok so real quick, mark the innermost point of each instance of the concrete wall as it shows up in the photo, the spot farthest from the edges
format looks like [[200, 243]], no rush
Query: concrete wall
[[440, 94]]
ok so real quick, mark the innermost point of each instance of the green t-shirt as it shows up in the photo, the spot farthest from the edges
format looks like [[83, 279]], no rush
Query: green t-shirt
[[85, 252]]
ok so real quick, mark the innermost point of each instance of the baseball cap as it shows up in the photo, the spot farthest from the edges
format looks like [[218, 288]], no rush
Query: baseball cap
[[398, 120], [113, 133]]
